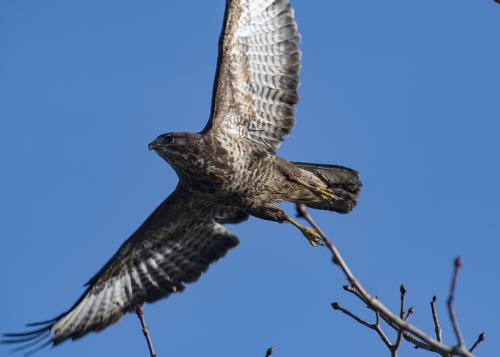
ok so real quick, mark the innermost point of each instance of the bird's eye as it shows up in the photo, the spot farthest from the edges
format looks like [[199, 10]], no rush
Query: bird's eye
[[169, 139]]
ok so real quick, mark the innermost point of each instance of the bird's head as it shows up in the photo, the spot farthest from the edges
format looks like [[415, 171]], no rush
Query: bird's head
[[178, 149]]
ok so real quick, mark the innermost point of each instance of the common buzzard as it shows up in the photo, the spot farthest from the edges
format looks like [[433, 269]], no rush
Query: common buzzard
[[226, 172]]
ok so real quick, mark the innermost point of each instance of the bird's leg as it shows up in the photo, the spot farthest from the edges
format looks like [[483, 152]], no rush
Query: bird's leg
[[273, 213], [326, 193], [310, 233]]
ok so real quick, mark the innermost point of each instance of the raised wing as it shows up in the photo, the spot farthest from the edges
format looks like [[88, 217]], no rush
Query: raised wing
[[173, 247], [256, 82]]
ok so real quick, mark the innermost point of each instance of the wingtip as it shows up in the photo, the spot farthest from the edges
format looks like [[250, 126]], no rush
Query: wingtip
[[29, 339], [41, 323]]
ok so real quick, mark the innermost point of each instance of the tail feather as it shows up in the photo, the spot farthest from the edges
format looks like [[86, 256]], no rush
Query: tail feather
[[343, 181]]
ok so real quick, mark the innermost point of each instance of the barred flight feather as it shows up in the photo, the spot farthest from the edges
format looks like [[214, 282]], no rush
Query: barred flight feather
[[156, 261], [257, 81]]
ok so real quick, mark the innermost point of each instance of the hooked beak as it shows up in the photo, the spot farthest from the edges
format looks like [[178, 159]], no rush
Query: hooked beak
[[153, 145]]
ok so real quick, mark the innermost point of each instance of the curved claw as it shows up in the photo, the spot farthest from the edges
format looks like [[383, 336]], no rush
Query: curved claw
[[312, 236], [310, 233], [326, 193]]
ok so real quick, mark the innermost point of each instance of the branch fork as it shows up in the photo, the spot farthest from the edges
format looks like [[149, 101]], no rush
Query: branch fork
[[398, 322]]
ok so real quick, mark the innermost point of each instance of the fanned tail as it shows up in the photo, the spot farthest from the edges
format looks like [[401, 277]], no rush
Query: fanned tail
[[342, 181]]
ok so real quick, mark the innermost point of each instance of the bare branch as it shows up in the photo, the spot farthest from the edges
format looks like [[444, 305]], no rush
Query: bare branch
[[394, 348], [140, 314], [402, 291], [337, 306], [376, 326], [380, 332], [409, 313], [417, 343], [353, 291], [451, 297], [437, 327], [480, 338], [400, 323]]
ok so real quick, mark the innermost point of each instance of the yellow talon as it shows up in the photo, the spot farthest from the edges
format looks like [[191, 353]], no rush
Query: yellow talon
[[312, 236], [310, 233], [326, 193]]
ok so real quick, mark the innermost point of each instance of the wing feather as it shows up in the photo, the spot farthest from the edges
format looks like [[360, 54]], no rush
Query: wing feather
[[174, 246], [257, 75]]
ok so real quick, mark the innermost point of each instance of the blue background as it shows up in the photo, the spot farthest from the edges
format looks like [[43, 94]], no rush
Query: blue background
[[406, 92]]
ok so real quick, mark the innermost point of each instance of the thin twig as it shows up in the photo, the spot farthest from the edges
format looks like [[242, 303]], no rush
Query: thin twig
[[381, 332], [396, 345], [417, 343], [375, 326], [410, 312], [376, 305], [353, 291], [337, 306], [408, 337], [402, 291], [140, 314], [437, 327], [479, 339], [451, 297]]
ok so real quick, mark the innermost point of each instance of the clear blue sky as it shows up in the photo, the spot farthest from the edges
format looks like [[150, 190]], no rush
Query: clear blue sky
[[406, 92]]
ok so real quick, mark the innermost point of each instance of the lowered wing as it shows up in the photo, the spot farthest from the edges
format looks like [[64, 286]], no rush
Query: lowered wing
[[173, 247]]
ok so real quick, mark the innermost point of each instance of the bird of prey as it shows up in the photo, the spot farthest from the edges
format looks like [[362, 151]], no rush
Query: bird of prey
[[226, 172]]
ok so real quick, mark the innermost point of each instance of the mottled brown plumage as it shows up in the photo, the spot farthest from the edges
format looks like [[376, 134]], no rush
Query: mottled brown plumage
[[228, 171]]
